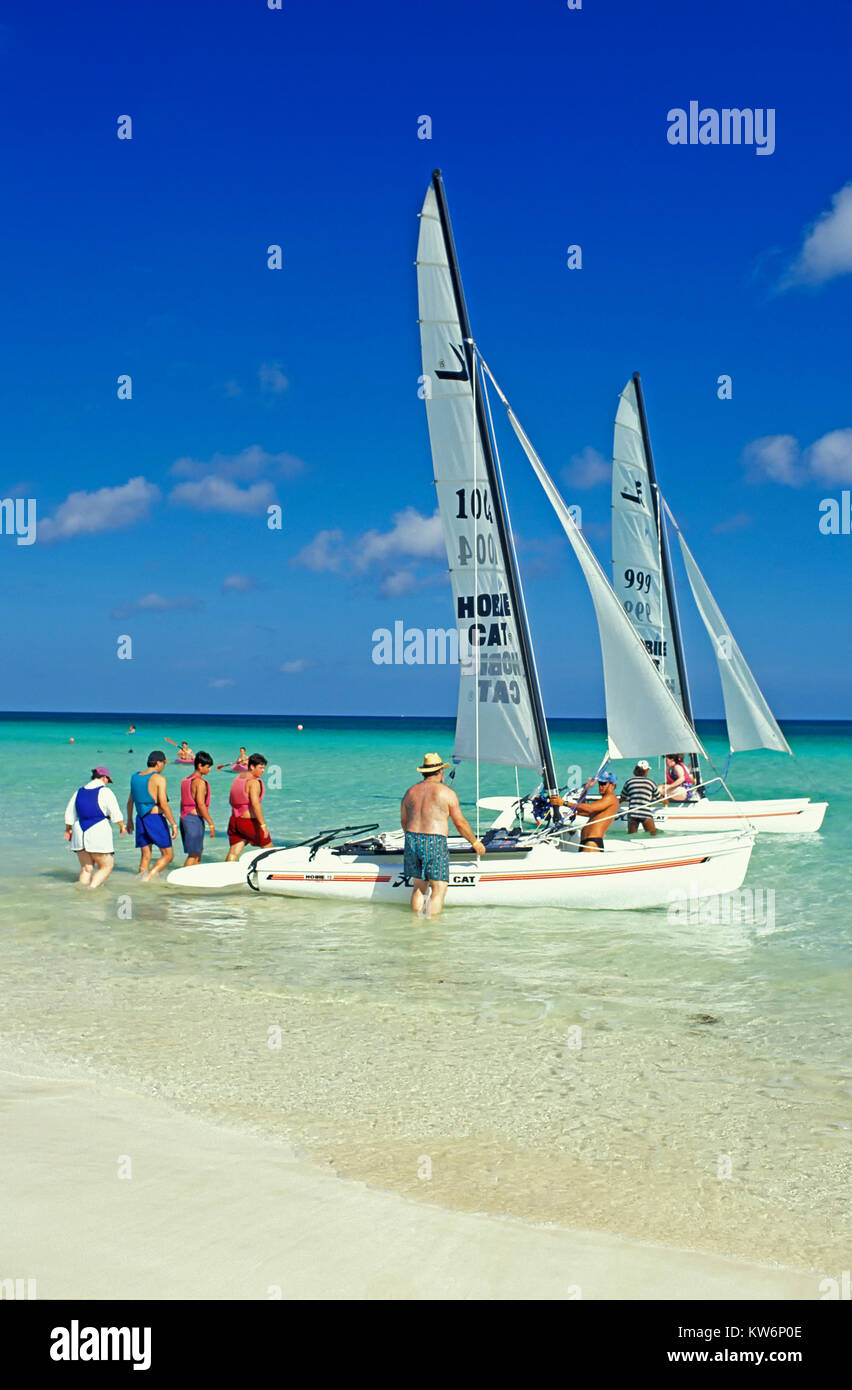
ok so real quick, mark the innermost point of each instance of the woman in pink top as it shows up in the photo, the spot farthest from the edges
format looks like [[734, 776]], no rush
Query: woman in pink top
[[194, 809], [247, 826]]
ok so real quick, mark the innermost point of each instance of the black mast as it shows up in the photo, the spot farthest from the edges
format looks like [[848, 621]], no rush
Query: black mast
[[667, 569], [495, 479]]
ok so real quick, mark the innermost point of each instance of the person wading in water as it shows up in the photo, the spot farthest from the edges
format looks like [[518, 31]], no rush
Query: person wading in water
[[426, 809], [247, 825]]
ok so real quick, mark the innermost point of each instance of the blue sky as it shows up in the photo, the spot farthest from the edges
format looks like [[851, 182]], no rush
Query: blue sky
[[299, 386]]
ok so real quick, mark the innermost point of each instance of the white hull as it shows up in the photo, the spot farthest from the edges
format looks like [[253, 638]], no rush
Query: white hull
[[634, 874], [216, 877], [795, 816], [791, 817]]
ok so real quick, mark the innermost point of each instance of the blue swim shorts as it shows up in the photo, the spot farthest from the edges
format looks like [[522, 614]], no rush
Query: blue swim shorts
[[152, 829], [192, 834], [427, 857]]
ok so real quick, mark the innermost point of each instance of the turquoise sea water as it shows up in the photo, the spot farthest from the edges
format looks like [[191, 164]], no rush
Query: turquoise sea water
[[683, 1081]]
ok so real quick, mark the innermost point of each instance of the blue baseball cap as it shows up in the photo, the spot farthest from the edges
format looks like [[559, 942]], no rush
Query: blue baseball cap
[[606, 777]]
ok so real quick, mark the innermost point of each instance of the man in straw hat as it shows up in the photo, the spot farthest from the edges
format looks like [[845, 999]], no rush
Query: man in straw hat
[[426, 809]]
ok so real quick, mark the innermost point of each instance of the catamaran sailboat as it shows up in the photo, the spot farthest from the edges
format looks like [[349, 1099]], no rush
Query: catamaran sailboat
[[643, 579], [500, 715]]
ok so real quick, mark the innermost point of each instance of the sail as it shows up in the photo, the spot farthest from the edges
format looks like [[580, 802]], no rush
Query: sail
[[751, 723], [497, 720], [637, 561], [643, 717]]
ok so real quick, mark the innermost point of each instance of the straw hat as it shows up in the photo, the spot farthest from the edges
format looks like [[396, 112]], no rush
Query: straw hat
[[432, 762]]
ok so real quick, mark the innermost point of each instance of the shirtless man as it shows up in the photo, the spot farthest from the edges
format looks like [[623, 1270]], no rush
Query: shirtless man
[[426, 809], [600, 813]]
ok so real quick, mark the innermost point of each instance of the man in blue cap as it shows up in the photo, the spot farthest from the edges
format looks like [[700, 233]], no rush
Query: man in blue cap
[[600, 814]]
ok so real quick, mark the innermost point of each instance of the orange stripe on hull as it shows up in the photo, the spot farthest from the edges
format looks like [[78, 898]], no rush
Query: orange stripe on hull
[[329, 878], [584, 873], [743, 815]]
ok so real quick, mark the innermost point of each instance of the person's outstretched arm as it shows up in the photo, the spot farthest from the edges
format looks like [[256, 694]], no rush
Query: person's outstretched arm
[[458, 820]]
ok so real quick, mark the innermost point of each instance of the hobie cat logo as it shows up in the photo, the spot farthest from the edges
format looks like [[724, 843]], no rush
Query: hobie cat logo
[[728, 126], [444, 374]]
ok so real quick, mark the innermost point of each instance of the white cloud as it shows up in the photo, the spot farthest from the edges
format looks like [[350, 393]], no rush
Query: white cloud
[[412, 537], [773, 458], [213, 494], [588, 469], [324, 552], [292, 668], [830, 458], [412, 534], [221, 684], [249, 464], [827, 247], [272, 379], [107, 509], [397, 582], [155, 603], [738, 522], [238, 583]]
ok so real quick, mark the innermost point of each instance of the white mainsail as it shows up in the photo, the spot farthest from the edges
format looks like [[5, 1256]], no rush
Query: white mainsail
[[642, 715], [637, 568], [496, 721], [751, 723]]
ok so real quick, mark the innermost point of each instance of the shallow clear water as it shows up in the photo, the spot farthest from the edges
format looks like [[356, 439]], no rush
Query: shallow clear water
[[684, 1081]]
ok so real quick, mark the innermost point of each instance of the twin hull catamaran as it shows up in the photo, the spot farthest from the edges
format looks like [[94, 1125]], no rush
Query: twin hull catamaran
[[643, 578], [500, 718]]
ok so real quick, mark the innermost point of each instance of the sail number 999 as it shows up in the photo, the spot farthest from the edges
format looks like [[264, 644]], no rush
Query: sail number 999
[[640, 579]]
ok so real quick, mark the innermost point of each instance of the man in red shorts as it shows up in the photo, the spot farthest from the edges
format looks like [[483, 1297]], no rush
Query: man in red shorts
[[247, 826]]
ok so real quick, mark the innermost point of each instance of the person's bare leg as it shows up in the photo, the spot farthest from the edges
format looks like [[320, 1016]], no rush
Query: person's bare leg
[[235, 851], [105, 863], [650, 826], [584, 844], [190, 860], [436, 900], [418, 896], [87, 865], [166, 857], [145, 861]]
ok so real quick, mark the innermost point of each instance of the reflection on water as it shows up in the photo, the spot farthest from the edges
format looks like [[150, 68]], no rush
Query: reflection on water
[[591, 1068]]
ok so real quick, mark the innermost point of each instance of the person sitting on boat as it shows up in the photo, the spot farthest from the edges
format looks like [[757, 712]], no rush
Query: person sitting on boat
[[426, 810], [247, 825], [599, 814], [640, 791], [185, 753], [89, 817], [680, 783], [241, 760]]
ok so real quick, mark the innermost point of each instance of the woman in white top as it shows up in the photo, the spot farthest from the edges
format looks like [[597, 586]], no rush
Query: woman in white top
[[89, 818]]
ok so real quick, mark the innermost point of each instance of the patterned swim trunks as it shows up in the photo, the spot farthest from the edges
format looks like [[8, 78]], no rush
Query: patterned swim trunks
[[427, 857]]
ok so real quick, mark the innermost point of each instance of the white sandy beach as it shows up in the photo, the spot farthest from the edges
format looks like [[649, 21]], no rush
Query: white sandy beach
[[214, 1213]]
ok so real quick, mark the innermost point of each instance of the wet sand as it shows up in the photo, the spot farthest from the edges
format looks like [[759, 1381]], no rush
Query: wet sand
[[209, 1212]]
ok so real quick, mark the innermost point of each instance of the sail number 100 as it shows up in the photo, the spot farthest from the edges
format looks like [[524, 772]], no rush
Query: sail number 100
[[476, 504]]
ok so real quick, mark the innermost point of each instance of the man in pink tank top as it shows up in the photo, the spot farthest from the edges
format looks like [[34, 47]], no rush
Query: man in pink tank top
[[195, 809], [247, 825]]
